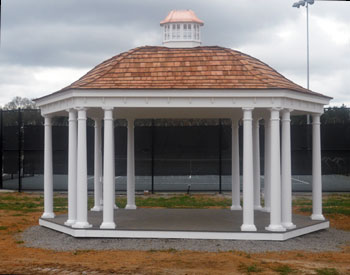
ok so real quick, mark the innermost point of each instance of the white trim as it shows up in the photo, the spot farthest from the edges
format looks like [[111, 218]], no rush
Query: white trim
[[262, 236], [58, 102]]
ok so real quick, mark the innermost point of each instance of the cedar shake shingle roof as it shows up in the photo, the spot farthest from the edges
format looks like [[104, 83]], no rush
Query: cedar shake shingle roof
[[209, 67]]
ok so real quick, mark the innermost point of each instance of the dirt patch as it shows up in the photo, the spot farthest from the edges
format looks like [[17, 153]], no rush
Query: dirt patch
[[15, 258]]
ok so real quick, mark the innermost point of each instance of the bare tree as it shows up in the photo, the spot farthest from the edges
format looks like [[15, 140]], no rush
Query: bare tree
[[20, 102]]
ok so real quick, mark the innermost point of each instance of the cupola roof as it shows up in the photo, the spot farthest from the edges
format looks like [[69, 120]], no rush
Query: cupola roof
[[182, 16]]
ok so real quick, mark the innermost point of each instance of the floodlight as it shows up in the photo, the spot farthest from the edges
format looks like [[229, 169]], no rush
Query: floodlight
[[306, 3]]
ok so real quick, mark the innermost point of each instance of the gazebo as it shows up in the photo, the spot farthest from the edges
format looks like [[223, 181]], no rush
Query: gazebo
[[182, 79]]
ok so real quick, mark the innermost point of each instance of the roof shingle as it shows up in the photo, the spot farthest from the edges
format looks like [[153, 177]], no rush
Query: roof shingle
[[213, 67]]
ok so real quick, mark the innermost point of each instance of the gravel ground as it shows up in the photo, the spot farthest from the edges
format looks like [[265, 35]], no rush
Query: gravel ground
[[325, 240]]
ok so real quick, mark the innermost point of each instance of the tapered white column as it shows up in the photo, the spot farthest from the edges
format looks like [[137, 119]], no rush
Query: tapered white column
[[108, 171], [267, 165], [72, 167], [130, 167], [82, 191], [48, 172], [286, 172], [248, 185], [97, 167], [236, 198], [316, 169], [256, 162], [275, 214]]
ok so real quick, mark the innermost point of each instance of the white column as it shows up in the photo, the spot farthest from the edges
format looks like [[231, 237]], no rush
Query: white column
[[236, 198], [130, 167], [108, 171], [72, 167], [248, 185], [48, 171], [82, 191], [286, 172], [275, 215], [316, 169], [267, 165], [256, 162], [97, 167]]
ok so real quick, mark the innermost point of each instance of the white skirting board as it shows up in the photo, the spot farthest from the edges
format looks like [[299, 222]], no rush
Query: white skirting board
[[150, 234]]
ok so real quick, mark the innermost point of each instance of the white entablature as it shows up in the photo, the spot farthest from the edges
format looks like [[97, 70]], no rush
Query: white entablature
[[284, 99]]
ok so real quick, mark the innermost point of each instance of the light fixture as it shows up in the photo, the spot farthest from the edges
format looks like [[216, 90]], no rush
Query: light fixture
[[306, 3]]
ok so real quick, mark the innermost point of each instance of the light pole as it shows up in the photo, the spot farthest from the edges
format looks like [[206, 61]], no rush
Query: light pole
[[306, 3]]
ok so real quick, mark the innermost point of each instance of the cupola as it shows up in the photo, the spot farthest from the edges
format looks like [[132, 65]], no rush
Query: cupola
[[181, 29]]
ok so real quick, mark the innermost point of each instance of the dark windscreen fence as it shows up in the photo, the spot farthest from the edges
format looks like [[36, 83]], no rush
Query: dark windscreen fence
[[301, 143], [335, 143], [168, 148], [33, 149]]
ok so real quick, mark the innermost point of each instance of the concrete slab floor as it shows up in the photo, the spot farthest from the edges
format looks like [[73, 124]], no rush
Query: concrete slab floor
[[204, 220]]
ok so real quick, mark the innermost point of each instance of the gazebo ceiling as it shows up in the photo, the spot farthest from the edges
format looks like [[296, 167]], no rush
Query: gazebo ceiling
[[211, 67]]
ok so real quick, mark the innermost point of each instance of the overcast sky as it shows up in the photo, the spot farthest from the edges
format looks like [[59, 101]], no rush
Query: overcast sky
[[48, 44]]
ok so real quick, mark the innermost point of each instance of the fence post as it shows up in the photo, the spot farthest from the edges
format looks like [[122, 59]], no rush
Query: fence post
[[220, 145], [19, 149], [1, 146], [152, 155]]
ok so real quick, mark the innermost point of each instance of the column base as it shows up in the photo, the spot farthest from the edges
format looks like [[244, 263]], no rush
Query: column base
[[275, 228], [47, 215], [288, 225], [97, 208], [70, 222], [258, 207], [130, 206], [317, 217], [266, 209], [236, 207], [108, 225], [82, 225], [248, 227]]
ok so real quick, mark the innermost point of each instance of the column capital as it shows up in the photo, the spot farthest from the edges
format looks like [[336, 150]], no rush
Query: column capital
[[286, 115], [247, 114], [316, 119], [107, 108], [235, 121], [96, 119], [72, 114], [287, 110], [256, 123], [97, 122], [81, 113], [47, 116], [275, 114], [47, 120], [108, 114]]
